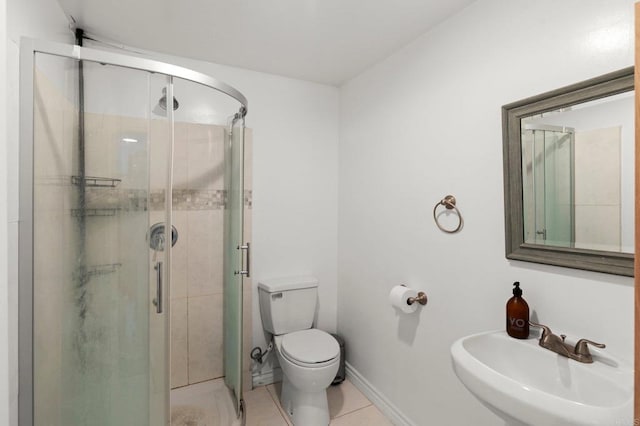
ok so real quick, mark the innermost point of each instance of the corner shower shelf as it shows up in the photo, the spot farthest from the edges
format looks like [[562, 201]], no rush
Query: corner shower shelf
[[94, 212], [103, 269], [95, 181]]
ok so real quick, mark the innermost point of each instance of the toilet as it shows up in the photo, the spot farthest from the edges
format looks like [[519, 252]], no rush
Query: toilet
[[309, 357]]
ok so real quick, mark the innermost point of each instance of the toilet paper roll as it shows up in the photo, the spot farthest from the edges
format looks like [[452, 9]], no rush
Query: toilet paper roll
[[398, 298]]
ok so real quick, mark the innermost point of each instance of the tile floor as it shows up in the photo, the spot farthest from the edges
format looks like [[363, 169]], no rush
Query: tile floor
[[192, 406]]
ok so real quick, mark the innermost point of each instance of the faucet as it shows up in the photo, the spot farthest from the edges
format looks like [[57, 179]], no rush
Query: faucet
[[580, 352]]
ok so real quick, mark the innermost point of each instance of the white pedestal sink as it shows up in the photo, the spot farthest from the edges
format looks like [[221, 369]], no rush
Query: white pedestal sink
[[526, 384]]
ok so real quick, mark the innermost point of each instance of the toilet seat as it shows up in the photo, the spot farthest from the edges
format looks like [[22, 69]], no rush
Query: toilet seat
[[310, 348]]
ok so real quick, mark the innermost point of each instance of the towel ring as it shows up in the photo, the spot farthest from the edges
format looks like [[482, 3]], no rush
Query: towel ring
[[450, 203]]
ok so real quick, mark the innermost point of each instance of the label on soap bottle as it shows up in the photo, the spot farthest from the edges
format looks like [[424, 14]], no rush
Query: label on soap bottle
[[517, 323]]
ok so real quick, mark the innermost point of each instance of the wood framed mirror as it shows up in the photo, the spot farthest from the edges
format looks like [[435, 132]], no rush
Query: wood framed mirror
[[568, 175]]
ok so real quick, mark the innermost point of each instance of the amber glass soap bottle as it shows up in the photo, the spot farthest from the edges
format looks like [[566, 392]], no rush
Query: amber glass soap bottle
[[517, 314]]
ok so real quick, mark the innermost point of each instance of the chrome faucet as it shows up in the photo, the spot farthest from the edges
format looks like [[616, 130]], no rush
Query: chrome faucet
[[580, 352]]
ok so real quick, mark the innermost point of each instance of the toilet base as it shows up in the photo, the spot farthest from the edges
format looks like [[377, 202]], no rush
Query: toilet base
[[304, 408]]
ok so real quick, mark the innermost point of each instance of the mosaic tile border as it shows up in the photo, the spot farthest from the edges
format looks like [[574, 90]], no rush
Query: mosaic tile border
[[197, 199], [122, 199], [116, 199]]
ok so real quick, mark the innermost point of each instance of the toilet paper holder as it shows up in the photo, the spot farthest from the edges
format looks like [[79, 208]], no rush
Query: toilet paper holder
[[421, 298]]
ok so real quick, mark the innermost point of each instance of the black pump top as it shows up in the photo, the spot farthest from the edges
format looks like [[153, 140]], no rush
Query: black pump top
[[517, 291]]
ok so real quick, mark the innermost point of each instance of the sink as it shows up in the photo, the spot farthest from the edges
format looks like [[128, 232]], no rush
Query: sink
[[526, 384]]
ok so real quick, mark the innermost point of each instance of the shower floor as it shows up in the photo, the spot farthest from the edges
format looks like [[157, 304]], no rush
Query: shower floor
[[203, 404]]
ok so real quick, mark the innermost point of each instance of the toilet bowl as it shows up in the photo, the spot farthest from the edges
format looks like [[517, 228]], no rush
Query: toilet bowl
[[309, 360], [309, 357]]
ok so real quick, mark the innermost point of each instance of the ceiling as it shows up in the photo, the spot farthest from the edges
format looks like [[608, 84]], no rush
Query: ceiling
[[326, 41]]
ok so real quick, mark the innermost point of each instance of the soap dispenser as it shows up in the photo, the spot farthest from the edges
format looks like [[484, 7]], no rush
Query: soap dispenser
[[517, 314]]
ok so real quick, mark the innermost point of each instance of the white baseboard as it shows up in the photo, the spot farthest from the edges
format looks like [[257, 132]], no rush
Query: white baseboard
[[268, 377], [378, 399]]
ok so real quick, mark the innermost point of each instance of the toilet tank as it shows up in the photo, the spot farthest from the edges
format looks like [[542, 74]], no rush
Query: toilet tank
[[287, 304]]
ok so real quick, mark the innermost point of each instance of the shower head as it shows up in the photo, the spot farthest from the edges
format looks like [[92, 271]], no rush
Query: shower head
[[162, 103]]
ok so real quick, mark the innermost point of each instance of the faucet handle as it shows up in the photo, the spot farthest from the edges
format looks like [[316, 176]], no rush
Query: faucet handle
[[582, 347], [546, 331]]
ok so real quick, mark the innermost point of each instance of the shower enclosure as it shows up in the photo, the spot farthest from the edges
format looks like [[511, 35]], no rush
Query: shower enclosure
[[98, 147]]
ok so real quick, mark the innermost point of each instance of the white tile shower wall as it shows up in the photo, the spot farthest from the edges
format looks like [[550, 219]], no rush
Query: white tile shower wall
[[197, 272], [204, 252], [205, 337], [426, 122], [597, 194], [179, 343], [196, 285]]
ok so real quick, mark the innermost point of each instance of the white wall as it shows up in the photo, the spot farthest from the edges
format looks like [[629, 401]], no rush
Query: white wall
[[38, 19], [424, 123]]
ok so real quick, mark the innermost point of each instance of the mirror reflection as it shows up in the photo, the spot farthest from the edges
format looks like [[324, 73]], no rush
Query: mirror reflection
[[568, 175], [575, 162]]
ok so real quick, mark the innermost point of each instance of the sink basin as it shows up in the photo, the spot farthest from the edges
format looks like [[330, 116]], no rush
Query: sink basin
[[526, 384]]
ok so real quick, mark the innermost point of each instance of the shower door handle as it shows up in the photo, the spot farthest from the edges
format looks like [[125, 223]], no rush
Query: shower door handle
[[158, 300], [245, 272]]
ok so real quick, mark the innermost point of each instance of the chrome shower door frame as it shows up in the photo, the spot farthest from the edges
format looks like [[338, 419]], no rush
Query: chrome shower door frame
[[28, 49]]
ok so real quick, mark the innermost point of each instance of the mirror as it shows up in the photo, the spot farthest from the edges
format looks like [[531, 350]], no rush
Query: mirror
[[569, 175]]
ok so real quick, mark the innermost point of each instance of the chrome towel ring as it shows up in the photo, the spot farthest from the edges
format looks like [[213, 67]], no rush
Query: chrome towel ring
[[450, 204]]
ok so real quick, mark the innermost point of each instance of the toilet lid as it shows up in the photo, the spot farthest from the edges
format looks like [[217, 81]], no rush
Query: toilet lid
[[310, 346]]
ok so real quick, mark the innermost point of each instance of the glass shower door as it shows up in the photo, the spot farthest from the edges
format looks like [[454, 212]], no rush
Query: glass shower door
[[548, 186], [236, 257], [99, 171], [559, 188]]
